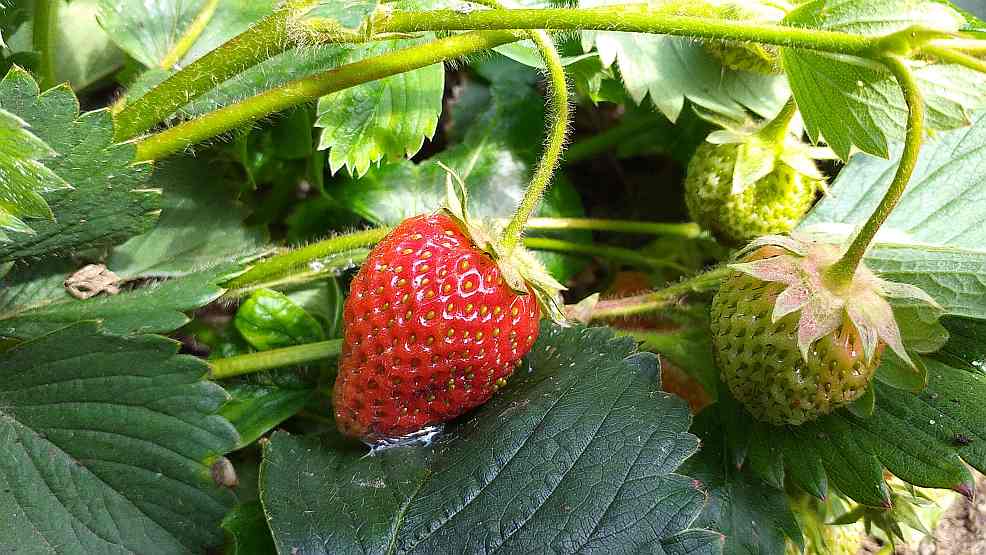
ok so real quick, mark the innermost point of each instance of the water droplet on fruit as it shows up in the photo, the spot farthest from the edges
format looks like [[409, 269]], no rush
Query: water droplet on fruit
[[421, 438]]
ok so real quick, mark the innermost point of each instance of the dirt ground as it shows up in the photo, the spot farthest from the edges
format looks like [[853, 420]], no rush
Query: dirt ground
[[962, 531]]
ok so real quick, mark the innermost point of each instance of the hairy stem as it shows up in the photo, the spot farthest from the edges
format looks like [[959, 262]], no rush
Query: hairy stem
[[190, 35], [631, 18], [282, 265], [557, 133], [662, 298], [954, 57], [842, 272], [311, 88], [687, 230], [262, 41], [45, 24], [239, 365], [616, 254]]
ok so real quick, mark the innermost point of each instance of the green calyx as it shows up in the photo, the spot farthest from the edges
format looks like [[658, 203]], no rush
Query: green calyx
[[745, 182], [521, 270]]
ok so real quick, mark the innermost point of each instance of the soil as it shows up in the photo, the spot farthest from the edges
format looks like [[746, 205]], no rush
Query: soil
[[962, 531]]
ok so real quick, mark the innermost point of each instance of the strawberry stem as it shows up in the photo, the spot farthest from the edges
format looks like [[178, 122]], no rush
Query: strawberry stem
[[841, 273], [662, 298], [557, 134], [45, 23], [616, 254], [250, 363]]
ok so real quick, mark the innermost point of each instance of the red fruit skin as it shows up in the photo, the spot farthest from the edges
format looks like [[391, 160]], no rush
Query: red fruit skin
[[431, 330]]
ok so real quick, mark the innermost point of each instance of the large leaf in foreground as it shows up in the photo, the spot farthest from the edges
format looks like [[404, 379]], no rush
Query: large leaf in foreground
[[106, 445], [577, 453], [109, 202]]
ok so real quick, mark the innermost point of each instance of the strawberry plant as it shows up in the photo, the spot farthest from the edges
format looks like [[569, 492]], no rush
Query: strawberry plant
[[423, 277]]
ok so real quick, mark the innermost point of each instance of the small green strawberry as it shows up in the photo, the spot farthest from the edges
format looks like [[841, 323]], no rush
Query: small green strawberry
[[742, 183], [748, 56], [790, 347]]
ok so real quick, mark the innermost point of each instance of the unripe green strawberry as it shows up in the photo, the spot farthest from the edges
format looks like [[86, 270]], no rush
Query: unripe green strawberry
[[790, 348], [747, 56], [761, 363], [774, 203]]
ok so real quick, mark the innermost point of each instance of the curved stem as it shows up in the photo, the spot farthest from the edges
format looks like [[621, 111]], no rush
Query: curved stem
[[250, 363], [662, 298], [959, 58], [842, 272], [262, 41], [45, 23], [279, 266], [616, 254], [319, 269], [557, 134], [311, 88]]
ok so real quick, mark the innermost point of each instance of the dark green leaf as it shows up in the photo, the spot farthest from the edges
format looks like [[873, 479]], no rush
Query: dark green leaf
[[246, 530], [965, 348], [107, 444], [110, 200], [575, 454], [255, 410], [200, 225], [23, 177], [268, 320], [753, 516], [33, 302]]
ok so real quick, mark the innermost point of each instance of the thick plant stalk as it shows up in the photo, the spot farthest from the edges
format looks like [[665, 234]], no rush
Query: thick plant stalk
[[239, 365], [841, 273], [45, 23], [660, 299], [311, 88]]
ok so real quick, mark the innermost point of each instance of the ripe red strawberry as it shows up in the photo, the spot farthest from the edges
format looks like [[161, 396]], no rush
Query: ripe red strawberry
[[432, 330]]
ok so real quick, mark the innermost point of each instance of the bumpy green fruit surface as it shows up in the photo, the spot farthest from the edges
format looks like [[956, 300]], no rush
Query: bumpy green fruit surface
[[772, 205], [763, 367]]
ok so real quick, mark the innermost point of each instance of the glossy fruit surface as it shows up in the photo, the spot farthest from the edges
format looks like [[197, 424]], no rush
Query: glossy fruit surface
[[431, 331]]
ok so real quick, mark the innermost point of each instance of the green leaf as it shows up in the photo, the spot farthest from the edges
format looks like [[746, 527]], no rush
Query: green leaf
[[268, 320], [23, 178], [672, 69], [150, 31], [689, 348], [753, 516], [324, 300], [33, 302], [934, 238], [201, 224], [255, 410], [387, 118], [965, 348], [107, 443], [495, 159], [246, 530], [585, 432], [110, 200], [918, 438], [855, 102]]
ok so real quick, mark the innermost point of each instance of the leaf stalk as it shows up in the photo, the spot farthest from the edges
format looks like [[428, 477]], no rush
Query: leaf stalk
[[239, 365]]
